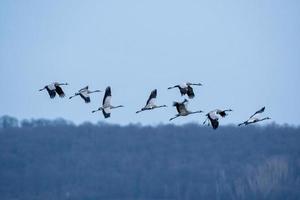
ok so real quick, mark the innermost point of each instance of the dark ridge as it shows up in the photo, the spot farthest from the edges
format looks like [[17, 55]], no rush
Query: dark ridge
[[55, 159]]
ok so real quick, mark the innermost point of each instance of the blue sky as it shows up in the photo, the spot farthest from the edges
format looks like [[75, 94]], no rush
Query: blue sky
[[246, 54]]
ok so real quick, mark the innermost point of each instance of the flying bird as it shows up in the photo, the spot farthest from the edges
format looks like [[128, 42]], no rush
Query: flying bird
[[54, 88], [213, 117], [150, 105], [106, 104], [182, 109], [186, 89], [84, 94], [254, 118]]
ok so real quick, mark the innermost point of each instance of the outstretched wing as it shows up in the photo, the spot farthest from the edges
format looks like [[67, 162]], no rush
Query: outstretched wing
[[59, 91], [107, 97], [223, 113], [258, 112], [190, 92], [181, 107], [106, 112], [85, 96], [51, 92], [83, 89], [214, 119], [214, 123], [151, 99]]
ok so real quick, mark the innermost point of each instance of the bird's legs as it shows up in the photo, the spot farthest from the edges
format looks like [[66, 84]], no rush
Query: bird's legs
[[174, 117]]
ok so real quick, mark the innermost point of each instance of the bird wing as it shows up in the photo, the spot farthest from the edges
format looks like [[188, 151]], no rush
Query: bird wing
[[84, 94], [181, 108], [214, 123], [222, 113], [258, 112], [107, 97], [51, 93], [83, 89], [106, 112], [190, 92], [213, 118], [59, 91], [151, 99]]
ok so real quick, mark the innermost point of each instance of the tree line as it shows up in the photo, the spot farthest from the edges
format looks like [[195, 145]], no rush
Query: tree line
[[56, 159]]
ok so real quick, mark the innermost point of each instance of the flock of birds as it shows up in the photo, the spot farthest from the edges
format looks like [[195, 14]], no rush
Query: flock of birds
[[212, 118]]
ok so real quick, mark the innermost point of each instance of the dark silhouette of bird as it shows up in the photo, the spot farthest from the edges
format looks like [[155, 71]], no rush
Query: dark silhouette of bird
[[106, 104], [54, 88], [84, 94], [186, 89], [150, 104], [255, 118], [182, 109]]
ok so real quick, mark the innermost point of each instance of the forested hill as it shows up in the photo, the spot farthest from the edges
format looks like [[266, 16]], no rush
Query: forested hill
[[43, 159]]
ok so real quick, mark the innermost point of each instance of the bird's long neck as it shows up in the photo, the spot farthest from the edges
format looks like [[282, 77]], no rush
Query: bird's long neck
[[176, 86], [185, 101], [120, 106], [74, 95]]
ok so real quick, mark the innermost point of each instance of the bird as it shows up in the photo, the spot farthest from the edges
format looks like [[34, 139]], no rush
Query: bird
[[150, 105], [213, 117], [254, 118], [54, 88], [186, 89], [84, 94], [182, 110], [106, 104]]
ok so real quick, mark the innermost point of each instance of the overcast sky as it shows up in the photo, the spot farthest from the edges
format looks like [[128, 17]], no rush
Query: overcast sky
[[246, 54]]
